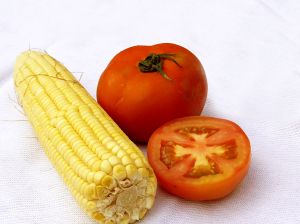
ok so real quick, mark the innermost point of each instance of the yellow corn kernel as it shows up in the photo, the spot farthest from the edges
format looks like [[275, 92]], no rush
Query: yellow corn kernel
[[113, 160], [119, 172], [96, 160], [143, 171], [98, 177], [131, 170], [126, 160], [106, 167]]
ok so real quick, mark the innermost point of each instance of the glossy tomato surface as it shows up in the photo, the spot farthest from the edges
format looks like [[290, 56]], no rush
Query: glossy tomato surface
[[141, 97], [199, 158]]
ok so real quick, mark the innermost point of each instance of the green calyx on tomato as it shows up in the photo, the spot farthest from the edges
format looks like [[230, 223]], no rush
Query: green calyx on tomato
[[154, 63]]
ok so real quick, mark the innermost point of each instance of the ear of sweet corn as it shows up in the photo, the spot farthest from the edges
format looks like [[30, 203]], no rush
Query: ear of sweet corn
[[107, 173]]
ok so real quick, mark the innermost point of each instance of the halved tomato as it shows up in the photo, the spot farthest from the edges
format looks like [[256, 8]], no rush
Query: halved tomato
[[199, 158]]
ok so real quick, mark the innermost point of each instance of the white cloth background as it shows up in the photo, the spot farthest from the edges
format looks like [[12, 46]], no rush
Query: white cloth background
[[251, 53]]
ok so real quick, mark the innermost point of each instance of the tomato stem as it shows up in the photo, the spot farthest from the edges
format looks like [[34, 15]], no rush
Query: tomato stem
[[154, 63]]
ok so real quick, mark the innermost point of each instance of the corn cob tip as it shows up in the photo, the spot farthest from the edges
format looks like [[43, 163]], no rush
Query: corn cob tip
[[128, 201]]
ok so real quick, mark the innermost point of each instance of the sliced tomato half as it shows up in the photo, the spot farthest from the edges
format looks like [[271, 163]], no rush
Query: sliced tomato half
[[199, 158]]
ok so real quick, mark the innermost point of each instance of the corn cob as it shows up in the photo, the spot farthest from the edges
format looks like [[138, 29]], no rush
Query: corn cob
[[106, 172]]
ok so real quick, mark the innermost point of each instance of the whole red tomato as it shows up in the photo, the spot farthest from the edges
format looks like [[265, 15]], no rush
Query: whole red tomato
[[145, 86]]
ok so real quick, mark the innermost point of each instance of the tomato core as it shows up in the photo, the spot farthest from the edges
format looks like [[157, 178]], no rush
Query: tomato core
[[198, 150]]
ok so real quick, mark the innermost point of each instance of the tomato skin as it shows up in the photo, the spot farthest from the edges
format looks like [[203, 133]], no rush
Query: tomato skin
[[140, 102], [196, 189], [207, 192]]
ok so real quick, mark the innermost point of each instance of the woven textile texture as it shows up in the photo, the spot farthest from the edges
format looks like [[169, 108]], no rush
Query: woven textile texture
[[251, 54]]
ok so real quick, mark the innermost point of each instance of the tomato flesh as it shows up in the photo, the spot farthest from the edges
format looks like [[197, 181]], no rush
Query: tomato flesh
[[199, 158]]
